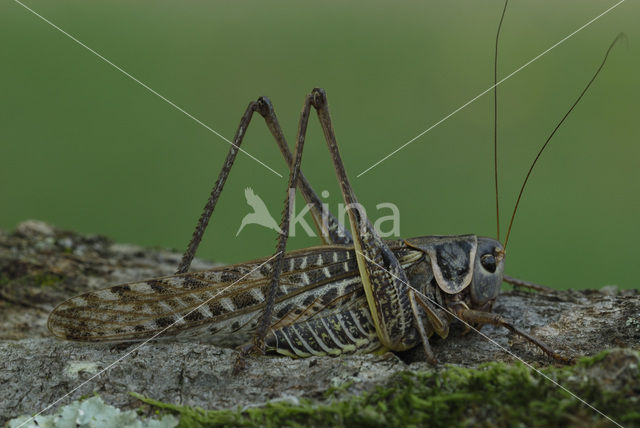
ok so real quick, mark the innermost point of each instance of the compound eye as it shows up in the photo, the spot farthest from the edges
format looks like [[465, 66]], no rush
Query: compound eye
[[488, 262]]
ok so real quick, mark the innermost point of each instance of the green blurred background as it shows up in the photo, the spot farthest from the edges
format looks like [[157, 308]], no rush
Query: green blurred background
[[86, 148]]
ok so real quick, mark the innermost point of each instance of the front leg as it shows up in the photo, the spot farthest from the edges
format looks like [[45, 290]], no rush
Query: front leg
[[474, 317]]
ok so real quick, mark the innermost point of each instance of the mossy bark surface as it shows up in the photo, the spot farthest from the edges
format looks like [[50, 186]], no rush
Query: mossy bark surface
[[479, 380]]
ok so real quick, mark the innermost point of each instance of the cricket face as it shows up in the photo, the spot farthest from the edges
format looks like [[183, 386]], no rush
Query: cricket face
[[488, 271]]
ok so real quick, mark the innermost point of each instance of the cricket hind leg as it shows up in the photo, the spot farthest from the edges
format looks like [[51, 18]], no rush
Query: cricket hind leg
[[384, 281], [327, 225]]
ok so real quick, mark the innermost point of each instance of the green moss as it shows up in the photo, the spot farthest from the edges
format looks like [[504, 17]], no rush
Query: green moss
[[493, 394], [336, 390], [4, 280], [592, 360], [45, 280], [32, 277]]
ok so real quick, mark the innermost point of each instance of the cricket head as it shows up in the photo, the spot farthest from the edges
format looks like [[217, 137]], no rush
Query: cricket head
[[465, 261], [488, 272]]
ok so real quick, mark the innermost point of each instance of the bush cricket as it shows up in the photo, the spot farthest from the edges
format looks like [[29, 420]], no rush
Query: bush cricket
[[355, 293]]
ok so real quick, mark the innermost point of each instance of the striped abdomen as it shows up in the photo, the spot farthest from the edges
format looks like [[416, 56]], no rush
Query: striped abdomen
[[224, 302], [348, 331]]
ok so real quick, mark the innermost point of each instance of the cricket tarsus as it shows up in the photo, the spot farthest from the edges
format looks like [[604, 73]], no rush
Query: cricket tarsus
[[546, 143], [240, 362]]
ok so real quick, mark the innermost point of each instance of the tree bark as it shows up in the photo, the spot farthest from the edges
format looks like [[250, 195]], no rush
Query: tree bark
[[40, 266]]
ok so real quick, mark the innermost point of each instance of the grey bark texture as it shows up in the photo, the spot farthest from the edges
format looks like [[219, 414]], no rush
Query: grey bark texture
[[40, 266]]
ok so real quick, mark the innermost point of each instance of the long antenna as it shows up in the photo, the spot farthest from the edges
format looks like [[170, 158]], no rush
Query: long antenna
[[618, 37], [495, 120]]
